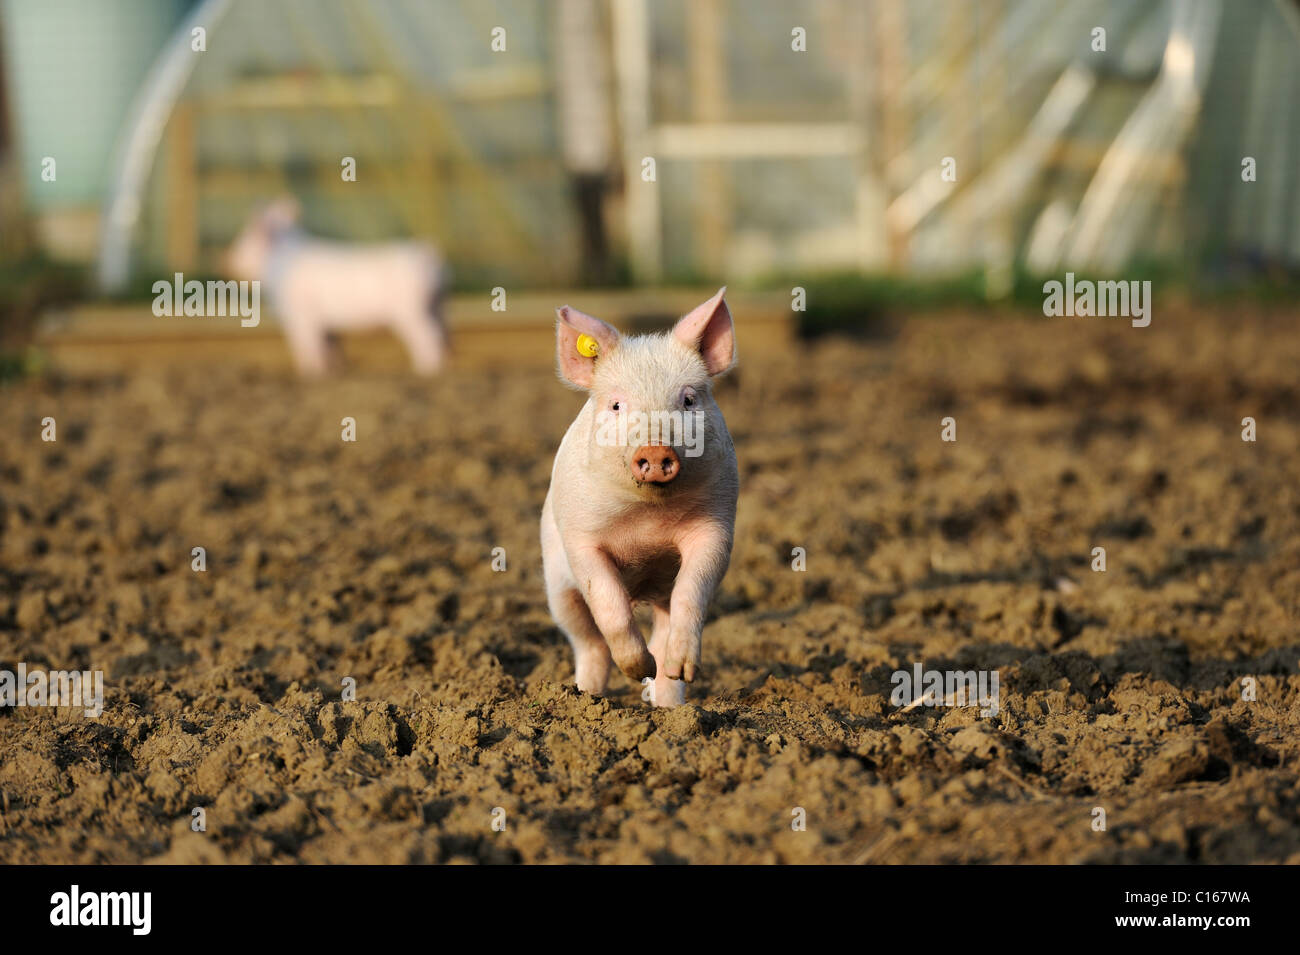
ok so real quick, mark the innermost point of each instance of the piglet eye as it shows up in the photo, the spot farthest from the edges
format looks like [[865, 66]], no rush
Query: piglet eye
[[616, 406]]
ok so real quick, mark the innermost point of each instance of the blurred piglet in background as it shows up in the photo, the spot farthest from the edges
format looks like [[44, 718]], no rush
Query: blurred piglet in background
[[319, 287]]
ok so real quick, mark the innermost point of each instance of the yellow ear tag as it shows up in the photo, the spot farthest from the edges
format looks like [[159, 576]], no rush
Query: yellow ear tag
[[588, 347]]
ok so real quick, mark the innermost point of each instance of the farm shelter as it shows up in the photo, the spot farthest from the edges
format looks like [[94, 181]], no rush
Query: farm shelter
[[1064, 155], [449, 141], [786, 136]]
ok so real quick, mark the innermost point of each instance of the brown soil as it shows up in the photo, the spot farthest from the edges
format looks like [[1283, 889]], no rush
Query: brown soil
[[1119, 690]]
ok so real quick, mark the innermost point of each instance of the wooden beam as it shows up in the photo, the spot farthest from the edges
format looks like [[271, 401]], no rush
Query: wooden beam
[[756, 140]]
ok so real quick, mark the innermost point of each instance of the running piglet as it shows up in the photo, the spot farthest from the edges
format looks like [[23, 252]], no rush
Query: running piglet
[[642, 503]]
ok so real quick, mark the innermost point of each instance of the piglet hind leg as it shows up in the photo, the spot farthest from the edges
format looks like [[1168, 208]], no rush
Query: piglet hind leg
[[425, 341], [309, 345], [569, 609], [591, 659], [667, 691]]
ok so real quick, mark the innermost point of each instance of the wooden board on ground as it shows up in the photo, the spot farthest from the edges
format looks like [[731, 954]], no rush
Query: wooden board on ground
[[107, 338]]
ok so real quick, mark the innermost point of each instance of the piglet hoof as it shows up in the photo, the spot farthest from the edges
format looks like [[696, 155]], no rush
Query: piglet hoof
[[685, 672], [640, 666], [592, 676], [669, 692], [683, 660]]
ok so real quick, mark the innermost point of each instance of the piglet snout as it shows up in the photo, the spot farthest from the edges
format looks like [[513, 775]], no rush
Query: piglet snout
[[655, 464]]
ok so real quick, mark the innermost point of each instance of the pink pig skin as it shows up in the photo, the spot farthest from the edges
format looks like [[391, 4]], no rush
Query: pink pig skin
[[611, 539], [319, 287]]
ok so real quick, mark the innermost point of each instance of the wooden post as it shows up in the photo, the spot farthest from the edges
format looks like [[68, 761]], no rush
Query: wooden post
[[14, 236], [182, 191], [708, 72], [585, 117], [870, 200], [891, 50], [632, 60]]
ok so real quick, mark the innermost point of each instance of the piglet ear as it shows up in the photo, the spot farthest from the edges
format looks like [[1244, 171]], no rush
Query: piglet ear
[[580, 341], [709, 330]]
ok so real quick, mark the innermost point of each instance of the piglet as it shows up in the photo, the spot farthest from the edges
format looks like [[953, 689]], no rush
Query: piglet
[[319, 287], [642, 503]]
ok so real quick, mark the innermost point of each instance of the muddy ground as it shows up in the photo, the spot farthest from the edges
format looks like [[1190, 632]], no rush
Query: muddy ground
[[1120, 690]]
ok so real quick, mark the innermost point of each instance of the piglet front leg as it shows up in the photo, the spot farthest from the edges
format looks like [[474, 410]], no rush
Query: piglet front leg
[[705, 553], [611, 608]]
